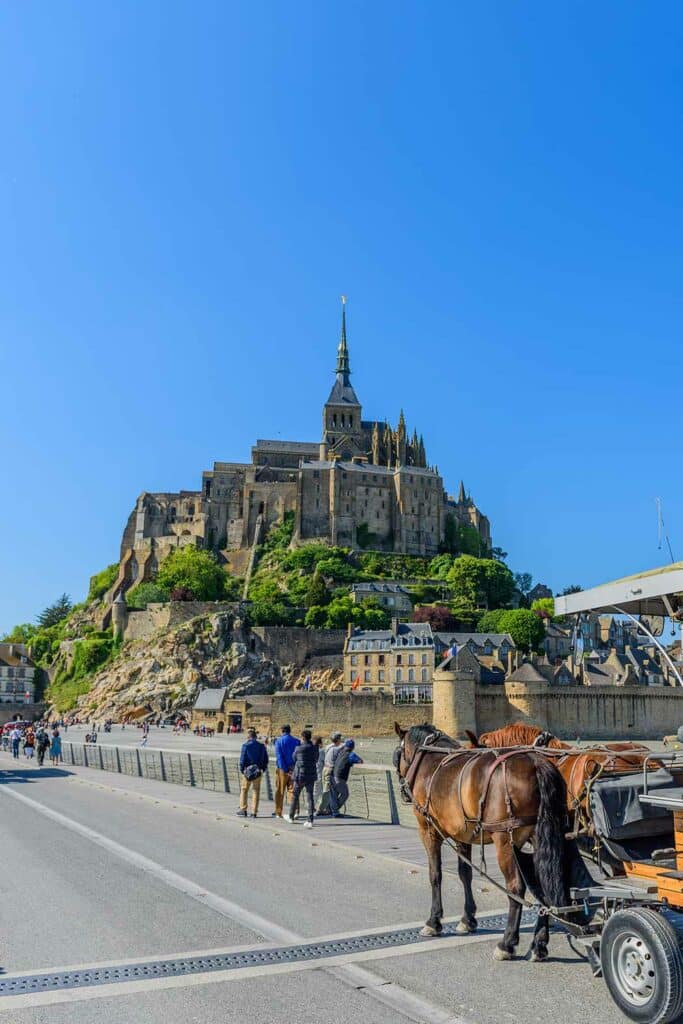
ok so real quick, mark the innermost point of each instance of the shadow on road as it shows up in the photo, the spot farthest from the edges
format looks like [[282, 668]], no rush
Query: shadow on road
[[10, 775]]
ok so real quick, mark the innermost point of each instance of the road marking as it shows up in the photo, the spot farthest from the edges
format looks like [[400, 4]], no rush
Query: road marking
[[411, 1006]]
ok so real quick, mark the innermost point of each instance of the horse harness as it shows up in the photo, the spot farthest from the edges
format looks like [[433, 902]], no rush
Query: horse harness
[[480, 826]]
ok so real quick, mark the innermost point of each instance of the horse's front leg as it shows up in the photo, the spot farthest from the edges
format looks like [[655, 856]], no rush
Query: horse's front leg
[[514, 883], [433, 843], [468, 922]]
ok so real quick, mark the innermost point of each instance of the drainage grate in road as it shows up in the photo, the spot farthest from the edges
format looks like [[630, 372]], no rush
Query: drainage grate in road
[[56, 981]]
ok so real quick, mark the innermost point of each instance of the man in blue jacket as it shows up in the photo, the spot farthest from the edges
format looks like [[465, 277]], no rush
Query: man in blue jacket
[[253, 763], [285, 745]]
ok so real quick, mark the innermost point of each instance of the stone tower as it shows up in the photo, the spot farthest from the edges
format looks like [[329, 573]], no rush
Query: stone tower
[[119, 616], [342, 432]]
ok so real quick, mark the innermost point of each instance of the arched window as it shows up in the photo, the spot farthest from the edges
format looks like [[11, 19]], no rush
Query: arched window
[[399, 675]]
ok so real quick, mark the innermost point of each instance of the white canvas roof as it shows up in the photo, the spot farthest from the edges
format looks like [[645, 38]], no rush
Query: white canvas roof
[[655, 592]]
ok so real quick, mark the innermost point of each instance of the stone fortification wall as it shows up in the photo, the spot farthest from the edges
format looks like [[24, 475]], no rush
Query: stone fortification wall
[[595, 712], [143, 624], [294, 645], [351, 714]]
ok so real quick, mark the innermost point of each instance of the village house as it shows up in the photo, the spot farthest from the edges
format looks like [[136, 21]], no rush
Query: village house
[[385, 593], [399, 660], [17, 673]]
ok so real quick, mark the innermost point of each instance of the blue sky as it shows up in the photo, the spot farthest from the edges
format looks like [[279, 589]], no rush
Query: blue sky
[[186, 189]]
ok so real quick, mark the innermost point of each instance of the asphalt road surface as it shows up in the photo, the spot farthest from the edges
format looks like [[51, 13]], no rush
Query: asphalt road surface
[[165, 907]]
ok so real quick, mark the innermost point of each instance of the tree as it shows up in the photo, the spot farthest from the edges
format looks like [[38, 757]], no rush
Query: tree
[[137, 598], [525, 628], [440, 566], [481, 580], [439, 616], [498, 554], [573, 589], [195, 570], [524, 582], [54, 613], [544, 607], [317, 591], [490, 621], [21, 634]]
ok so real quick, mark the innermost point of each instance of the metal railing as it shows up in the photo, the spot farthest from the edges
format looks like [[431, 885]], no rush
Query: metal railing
[[372, 791]]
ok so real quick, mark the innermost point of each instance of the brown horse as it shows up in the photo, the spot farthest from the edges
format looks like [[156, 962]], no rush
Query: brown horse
[[517, 735], [579, 768], [508, 800]]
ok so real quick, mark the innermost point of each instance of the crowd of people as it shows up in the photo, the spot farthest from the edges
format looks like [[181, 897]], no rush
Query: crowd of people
[[38, 741], [307, 765]]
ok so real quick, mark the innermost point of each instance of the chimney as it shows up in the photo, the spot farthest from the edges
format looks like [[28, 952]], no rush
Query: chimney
[[394, 625], [349, 629]]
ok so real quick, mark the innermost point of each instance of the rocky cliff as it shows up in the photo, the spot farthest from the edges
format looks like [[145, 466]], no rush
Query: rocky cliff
[[165, 673]]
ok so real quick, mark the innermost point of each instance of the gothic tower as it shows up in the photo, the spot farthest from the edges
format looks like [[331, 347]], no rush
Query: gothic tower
[[342, 433]]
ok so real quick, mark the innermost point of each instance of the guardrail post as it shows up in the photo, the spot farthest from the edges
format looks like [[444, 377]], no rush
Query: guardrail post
[[85, 756], [118, 759], [99, 751], [226, 784], [162, 767], [137, 757], [189, 765], [393, 806]]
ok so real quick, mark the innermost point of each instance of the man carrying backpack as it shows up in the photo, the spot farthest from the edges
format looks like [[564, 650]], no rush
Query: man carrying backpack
[[304, 775], [253, 763], [339, 792]]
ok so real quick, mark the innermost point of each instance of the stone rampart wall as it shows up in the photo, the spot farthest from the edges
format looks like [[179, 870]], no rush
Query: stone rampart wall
[[294, 645], [145, 623], [351, 714]]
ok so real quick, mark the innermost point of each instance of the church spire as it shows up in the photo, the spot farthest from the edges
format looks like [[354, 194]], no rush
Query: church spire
[[343, 366], [461, 494]]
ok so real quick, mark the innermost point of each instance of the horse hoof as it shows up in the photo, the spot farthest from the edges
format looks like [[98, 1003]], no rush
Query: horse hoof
[[501, 954], [538, 956], [429, 932], [463, 928]]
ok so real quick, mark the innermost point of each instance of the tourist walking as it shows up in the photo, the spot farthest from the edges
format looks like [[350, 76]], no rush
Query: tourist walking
[[339, 790], [29, 743], [304, 774], [285, 745], [253, 763], [318, 790], [56, 747], [15, 736], [42, 745], [332, 752]]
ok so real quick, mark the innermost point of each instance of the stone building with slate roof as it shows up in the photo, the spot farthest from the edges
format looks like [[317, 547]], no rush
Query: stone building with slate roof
[[398, 661], [365, 484]]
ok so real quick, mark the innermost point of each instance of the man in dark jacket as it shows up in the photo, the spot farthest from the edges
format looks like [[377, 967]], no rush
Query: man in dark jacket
[[339, 790], [253, 763], [304, 775]]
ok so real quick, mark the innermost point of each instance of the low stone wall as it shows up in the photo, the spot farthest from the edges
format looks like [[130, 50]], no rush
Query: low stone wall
[[143, 624], [28, 712], [351, 714]]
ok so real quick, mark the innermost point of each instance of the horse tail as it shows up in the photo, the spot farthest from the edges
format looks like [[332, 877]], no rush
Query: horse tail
[[549, 848], [474, 740]]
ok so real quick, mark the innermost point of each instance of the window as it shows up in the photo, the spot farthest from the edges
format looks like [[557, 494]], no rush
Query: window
[[380, 675], [366, 659], [354, 659], [411, 659], [381, 659], [424, 659], [399, 659], [367, 676], [424, 675], [411, 675], [352, 676], [399, 675]]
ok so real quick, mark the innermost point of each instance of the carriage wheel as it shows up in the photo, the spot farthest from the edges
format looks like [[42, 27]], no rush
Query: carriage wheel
[[642, 963]]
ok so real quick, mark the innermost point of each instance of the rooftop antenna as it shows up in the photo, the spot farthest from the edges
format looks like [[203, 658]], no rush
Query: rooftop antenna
[[661, 530]]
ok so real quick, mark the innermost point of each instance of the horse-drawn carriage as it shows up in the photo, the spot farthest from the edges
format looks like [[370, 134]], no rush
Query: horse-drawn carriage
[[624, 801]]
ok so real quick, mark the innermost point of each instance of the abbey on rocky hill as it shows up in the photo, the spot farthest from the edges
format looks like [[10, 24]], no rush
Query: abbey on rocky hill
[[363, 485]]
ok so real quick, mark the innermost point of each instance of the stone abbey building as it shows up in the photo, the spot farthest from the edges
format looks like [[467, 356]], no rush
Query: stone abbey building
[[365, 484]]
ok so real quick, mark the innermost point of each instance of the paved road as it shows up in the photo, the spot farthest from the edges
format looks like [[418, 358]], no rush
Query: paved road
[[106, 868]]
